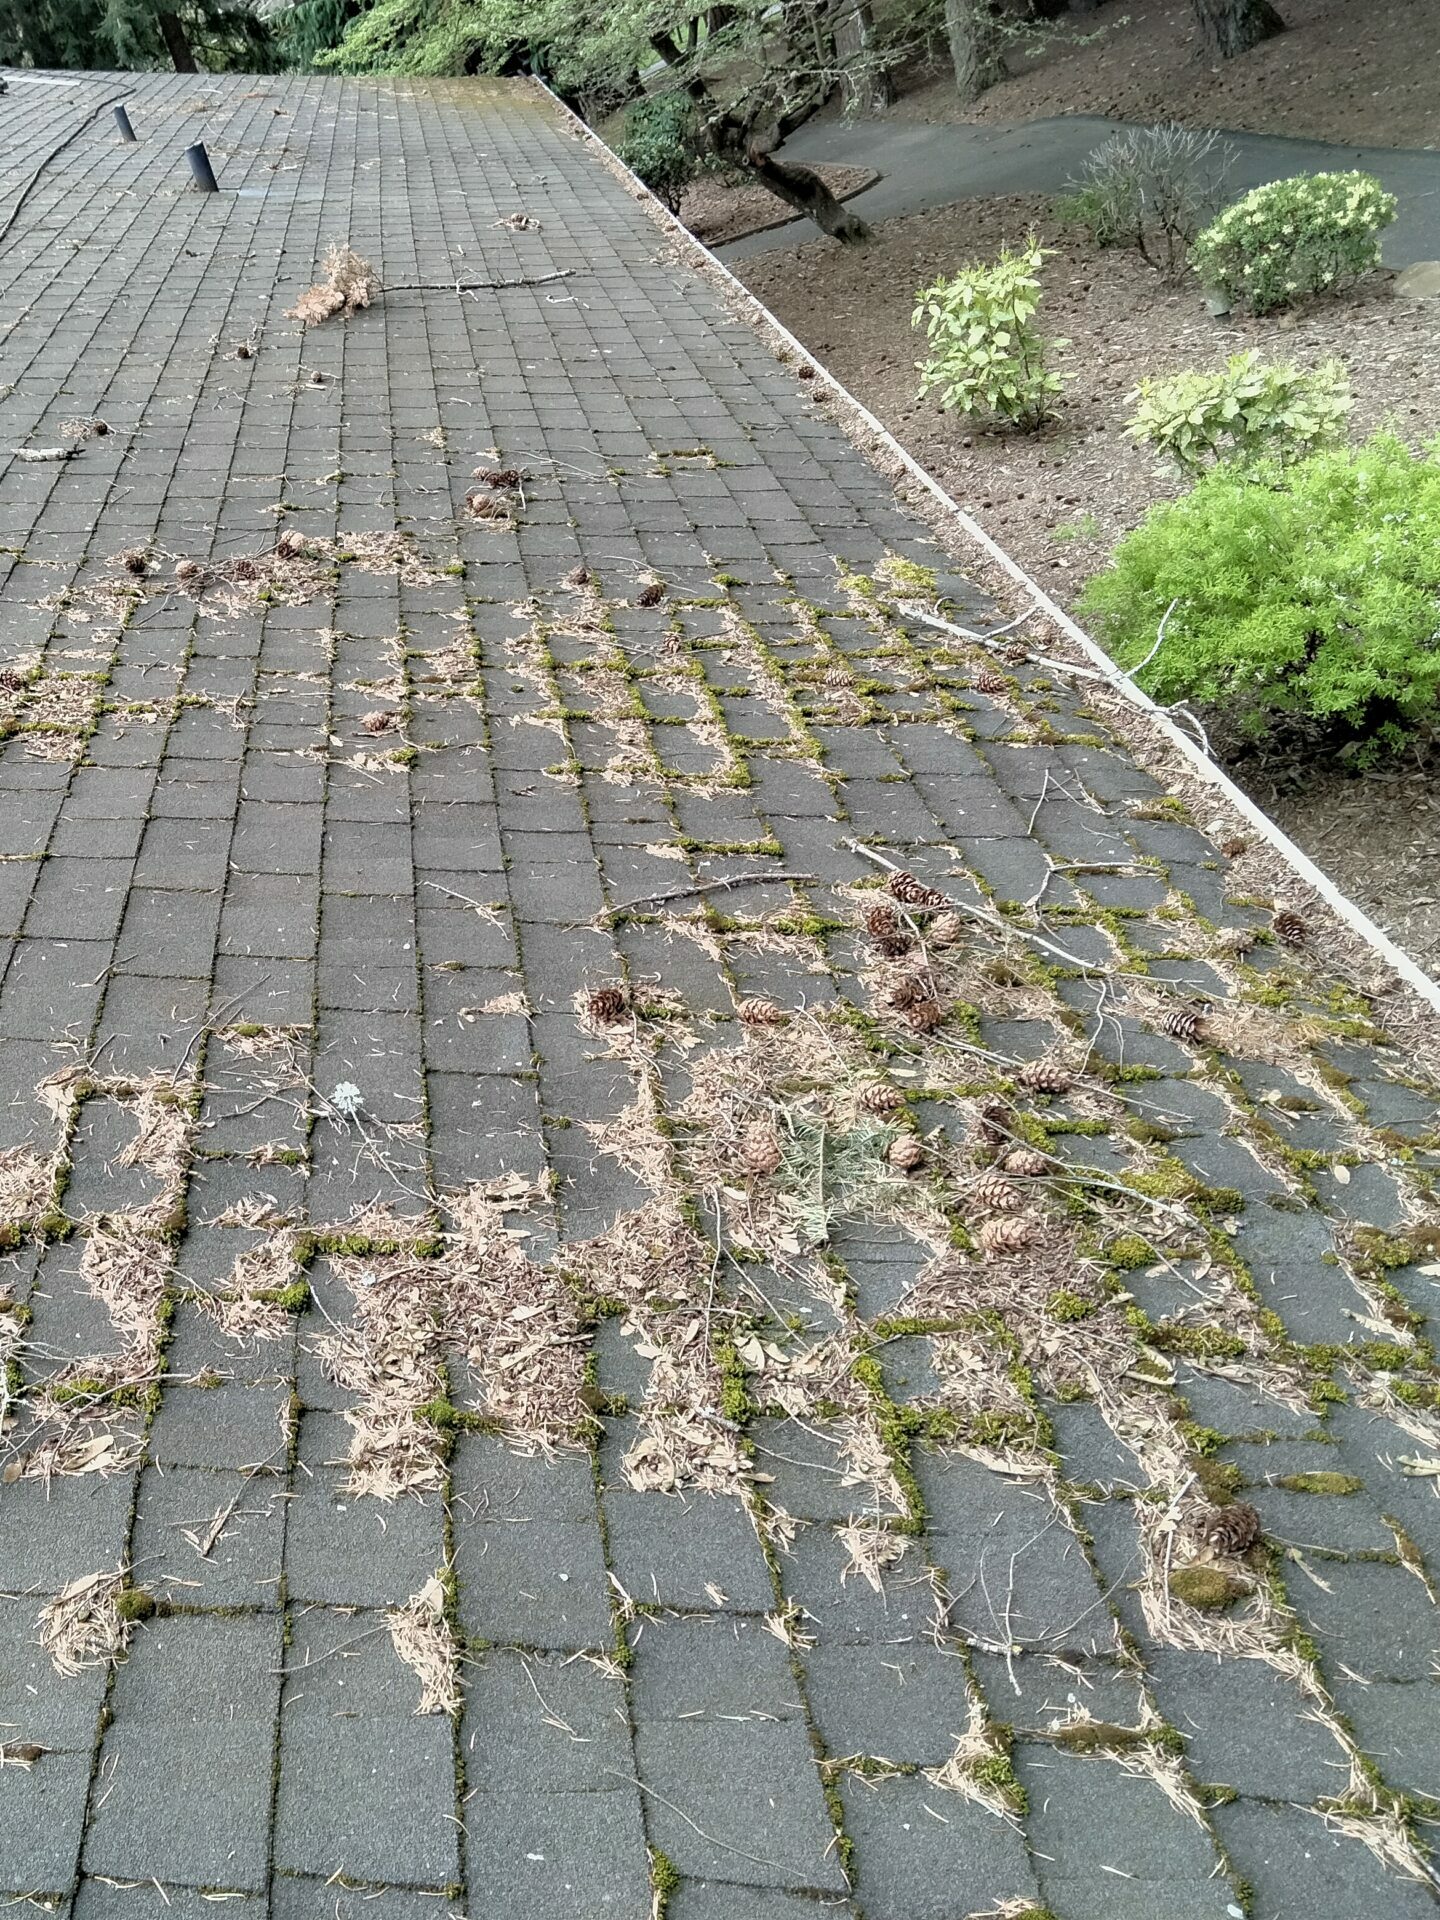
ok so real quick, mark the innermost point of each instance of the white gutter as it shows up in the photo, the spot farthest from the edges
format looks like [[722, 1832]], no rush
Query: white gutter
[[1215, 776]]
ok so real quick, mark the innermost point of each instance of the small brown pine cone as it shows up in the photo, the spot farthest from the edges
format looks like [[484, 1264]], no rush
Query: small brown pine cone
[[805, 373], [906, 1153], [760, 1148], [894, 946], [317, 378], [133, 560], [498, 476], [606, 1005], [1005, 1235], [756, 1012], [945, 930], [1233, 847], [244, 352], [987, 681], [914, 893], [905, 991], [880, 920], [578, 577], [890, 938], [993, 1191], [1290, 928], [379, 721], [189, 572], [652, 595], [10, 681], [925, 1016], [994, 1123], [291, 546], [485, 506], [100, 428], [879, 1097], [244, 567], [1027, 1162], [1183, 1023], [1044, 1076], [1233, 1528]]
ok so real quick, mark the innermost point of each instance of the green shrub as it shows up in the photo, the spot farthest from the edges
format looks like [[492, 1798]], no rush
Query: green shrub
[[985, 356], [1310, 591], [659, 145], [1295, 236], [1151, 189], [1245, 412]]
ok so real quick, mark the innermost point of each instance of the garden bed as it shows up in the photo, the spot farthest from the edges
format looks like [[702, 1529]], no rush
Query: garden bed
[[1058, 500]]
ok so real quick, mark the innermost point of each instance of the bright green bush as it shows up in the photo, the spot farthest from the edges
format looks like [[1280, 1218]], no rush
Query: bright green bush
[[659, 145], [1245, 412], [1296, 236], [985, 355], [1311, 591]]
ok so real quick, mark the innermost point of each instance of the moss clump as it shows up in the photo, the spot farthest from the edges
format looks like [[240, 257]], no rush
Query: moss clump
[[1219, 1480], [1207, 1589], [1197, 1343], [1329, 1483], [1065, 1305], [292, 1299], [134, 1604], [1129, 1251], [1098, 1736], [996, 1773]]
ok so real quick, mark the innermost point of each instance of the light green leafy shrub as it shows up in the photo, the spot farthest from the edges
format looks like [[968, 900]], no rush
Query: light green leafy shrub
[[1297, 236], [985, 355], [659, 145], [1244, 412], [1310, 591]]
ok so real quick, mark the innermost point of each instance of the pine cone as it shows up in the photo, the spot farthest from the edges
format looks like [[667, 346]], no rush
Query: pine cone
[[1044, 1076], [760, 1148], [994, 1191], [243, 567], [1233, 847], [1290, 928], [378, 722], [1233, 1528], [1026, 1162], [925, 1016], [906, 1153], [10, 681], [498, 476], [291, 546], [945, 930], [1182, 1022], [805, 373], [904, 992], [756, 1012], [883, 925], [485, 506], [914, 893], [243, 352], [988, 681], [606, 1005], [1005, 1235], [578, 577], [879, 1097], [189, 572], [652, 595], [1236, 940], [994, 1124], [133, 559]]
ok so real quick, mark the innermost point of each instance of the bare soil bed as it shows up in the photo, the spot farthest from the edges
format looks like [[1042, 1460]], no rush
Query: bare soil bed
[[716, 209], [1359, 71], [1058, 500]]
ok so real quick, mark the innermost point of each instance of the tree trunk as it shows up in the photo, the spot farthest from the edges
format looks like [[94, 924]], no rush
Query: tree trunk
[[177, 45], [808, 194], [974, 47], [867, 85], [1229, 27]]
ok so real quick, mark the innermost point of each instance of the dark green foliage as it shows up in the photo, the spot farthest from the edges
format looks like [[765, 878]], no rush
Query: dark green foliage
[[206, 35], [1308, 592], [659, 144]]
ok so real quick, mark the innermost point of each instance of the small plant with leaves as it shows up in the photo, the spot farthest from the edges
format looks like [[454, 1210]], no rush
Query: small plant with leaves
[[1308, 234], [1152, 189], [986, 355], [1303, 594], [659, 146], [1245, 412]]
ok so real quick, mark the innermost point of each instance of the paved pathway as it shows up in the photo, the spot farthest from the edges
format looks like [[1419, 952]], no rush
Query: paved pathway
[[490, 1425], [930, 166]]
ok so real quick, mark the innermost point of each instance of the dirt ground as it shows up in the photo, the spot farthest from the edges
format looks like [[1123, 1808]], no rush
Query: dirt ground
[[1058, 500], [1349, 70]]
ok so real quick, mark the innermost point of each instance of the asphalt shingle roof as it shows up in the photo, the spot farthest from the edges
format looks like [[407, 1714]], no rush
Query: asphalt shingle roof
[[1048, 1527]]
